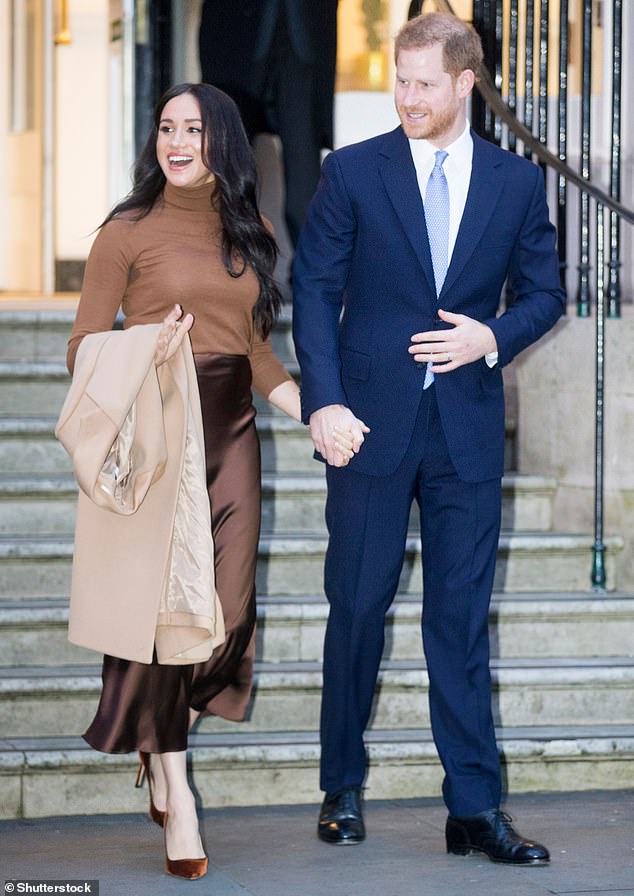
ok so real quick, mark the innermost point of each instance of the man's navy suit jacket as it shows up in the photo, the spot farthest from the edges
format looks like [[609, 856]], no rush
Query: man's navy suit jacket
[[363, 285]]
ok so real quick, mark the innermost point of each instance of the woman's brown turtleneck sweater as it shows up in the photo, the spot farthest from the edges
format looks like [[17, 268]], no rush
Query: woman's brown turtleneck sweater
[[171, 256]]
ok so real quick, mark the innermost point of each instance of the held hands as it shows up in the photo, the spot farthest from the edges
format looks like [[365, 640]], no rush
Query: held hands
[[468, 341], [171, 334], [337, 434]]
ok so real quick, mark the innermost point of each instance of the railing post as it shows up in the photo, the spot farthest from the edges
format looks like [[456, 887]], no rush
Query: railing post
[[489, 20], [478, 106], [542, 115], [499, 34], [614, 264], [529, 101], [562, 127], [598, 575], [512, 94], [583, 294]]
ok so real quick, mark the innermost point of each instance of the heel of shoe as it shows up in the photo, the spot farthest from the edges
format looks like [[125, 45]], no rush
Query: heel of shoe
[[457, 838], [142, 772], [456, 849], [157, 816]]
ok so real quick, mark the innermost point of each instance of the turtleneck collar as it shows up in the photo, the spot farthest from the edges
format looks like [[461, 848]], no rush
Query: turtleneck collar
[[196, 199]]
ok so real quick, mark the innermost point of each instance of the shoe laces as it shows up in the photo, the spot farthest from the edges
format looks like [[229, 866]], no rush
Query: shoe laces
[[350, 800], [505, 825]]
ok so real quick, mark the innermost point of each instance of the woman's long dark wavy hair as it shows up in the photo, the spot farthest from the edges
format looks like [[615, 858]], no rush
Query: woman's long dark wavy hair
[[227, 154]]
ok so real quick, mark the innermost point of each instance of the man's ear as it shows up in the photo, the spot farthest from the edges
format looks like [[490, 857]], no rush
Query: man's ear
[[465, 83]]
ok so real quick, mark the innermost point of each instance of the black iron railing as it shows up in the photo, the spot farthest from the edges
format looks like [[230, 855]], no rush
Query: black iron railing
[[509, 114]]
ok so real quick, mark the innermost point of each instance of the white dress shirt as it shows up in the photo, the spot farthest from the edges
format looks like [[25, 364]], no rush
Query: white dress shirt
[[457, 168]]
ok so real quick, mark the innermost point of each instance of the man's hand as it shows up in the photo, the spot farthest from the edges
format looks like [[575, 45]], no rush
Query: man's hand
[[327, 428], [468, 341], [171, 334]]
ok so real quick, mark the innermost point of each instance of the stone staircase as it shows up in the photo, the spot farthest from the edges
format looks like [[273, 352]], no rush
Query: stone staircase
[[563, 664]]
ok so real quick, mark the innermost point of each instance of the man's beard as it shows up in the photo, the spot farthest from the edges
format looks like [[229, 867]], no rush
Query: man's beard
[[433, 126]]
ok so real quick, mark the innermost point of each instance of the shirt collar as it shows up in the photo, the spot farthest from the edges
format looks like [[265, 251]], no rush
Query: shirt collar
[[460, 152]]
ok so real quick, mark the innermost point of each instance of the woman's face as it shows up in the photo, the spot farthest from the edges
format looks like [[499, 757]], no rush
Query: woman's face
[[179, 143]]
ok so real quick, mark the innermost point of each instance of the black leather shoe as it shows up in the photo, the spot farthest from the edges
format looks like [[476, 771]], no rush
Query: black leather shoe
[[340, 819], [492, 833]]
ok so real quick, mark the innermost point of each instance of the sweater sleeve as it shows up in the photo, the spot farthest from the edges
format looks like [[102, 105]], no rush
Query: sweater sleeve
[[105, 282], [267, 370]]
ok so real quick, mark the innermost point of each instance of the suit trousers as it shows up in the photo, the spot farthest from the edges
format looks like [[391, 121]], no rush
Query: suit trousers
[[367, 518]]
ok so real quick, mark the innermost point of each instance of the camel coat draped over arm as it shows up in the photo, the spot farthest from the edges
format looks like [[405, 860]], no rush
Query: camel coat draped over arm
[[143, 567]]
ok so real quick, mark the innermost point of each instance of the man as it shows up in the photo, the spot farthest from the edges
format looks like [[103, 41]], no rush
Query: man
[[399, 269], [276, 58]]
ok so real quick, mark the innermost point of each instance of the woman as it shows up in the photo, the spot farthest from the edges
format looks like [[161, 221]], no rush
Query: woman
[[190, 238]]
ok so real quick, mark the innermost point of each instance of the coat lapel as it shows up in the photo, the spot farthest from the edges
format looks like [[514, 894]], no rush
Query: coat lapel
[[397, 170], [484, 191], [399, 177]]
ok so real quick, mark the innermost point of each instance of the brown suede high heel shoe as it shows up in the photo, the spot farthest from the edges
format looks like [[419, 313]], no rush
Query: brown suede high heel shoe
[[157, 815], [189, 869]]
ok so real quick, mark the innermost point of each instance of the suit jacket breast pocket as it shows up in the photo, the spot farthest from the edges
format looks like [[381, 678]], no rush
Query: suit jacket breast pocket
[[500, 234], [502, 243], [355, 365]]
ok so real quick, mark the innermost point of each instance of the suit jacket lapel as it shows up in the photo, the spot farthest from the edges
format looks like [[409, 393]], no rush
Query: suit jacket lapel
[[397, 170], [484, 191]]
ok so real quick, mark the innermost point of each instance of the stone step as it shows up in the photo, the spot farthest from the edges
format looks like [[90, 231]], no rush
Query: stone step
[[285, 445], [28, 445], [33, 388], [44, 776], [525, 562], [38, 388], [33, 631], [33, 375], [43, 335], [296, 503], [529, 692], [35, 567], [42, 503], [292, 564], [59, 701], [37, 504], [35, 335]]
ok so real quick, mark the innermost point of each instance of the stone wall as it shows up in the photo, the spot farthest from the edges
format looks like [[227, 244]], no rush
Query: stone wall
[[554, 386]]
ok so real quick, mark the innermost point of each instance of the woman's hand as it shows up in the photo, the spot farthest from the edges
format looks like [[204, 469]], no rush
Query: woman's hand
[[344, 446], [171, 334]]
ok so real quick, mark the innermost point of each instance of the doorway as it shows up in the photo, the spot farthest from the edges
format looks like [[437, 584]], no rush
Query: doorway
[[22, 178]]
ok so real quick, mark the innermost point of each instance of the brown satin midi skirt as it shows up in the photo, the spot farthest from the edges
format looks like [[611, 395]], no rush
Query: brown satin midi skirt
[[146, 706]]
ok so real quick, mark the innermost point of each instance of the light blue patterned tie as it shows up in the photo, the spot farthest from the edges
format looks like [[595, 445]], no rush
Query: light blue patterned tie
[[437, 220]]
